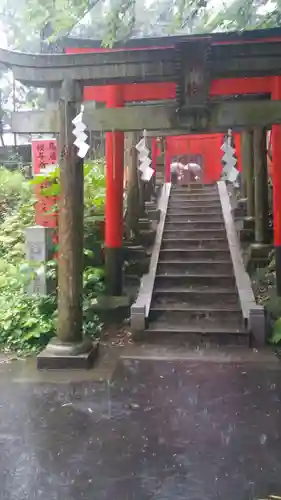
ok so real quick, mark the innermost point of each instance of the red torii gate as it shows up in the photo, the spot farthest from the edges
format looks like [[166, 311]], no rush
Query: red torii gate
[[117, 95]]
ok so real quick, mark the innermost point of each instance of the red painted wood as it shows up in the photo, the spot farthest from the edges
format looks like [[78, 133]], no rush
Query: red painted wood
[[114, 153], [237, 144], [276, 166], [234, 86], [159, 91], [134, 92]]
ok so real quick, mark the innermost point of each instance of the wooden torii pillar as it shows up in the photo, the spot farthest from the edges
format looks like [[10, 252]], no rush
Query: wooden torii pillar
[[114, 155], [69, 349]]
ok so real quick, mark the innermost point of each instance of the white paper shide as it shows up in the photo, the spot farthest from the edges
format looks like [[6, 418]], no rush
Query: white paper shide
[[144, 160], [230, 172], [81, 137]]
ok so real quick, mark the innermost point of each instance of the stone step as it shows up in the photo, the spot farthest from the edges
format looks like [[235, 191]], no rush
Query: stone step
[[208, 255], [194, 336], [194, 281], [185, 191], [150, 204], [179, 188], [175, 203], [202, 225], [199, 211], [134, 252], [194, 267], [144, 224], [185, 216], [196, 185], [195, 316], [204, 197], [194, 297], [196, 205], [192, 243], [183, 233]]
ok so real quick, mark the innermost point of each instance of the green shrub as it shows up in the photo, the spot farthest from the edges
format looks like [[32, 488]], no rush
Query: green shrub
[[264, 286], [27, 323], [14, 189], [12, 232]]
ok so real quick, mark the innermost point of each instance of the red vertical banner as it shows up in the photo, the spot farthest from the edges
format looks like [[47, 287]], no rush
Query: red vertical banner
[[44, 156]]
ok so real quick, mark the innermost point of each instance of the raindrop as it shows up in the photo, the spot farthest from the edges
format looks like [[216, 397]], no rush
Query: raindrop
[[263, 439]]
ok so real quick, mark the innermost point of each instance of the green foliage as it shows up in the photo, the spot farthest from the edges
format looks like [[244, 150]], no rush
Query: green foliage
[[120, 19], [12, 238], [264, 286], [240, 15], [26, 323], [94, 186], [13, 189], [276, 336], [93, 287]]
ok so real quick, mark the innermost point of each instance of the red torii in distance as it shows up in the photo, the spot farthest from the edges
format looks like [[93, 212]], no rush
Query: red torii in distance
[[117, 95]]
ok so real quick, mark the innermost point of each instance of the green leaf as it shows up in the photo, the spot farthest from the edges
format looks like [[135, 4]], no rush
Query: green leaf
[[51, 191], [39, 179], [276, 336]]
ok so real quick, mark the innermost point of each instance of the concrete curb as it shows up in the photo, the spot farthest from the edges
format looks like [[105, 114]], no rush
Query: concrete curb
[[253, 313], [140, 309]]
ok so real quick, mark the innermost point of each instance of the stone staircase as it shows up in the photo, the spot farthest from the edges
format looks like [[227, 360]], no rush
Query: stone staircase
[[195, 298]]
